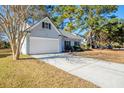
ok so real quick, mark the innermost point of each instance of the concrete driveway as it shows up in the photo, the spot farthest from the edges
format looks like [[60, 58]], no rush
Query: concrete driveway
[[101, 73]]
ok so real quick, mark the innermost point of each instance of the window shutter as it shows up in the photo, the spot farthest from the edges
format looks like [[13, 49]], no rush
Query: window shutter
[[42, 24], [49, 26]]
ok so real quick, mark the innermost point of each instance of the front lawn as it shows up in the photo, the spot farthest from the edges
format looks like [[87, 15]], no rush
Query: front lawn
[[29, 73], [116, 56]]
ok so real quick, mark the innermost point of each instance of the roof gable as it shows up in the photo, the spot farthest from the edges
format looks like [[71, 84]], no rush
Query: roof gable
[[47, 19], [61, 32]]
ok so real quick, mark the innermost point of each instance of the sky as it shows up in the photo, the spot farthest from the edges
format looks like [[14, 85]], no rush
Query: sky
[[120, 12]]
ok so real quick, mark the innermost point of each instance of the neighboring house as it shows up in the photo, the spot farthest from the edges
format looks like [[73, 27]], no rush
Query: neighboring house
[[44, 37]]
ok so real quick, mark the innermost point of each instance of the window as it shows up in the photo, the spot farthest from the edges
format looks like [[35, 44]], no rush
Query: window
[[43, 25], [46, 25], [67, 45], [49, 26], [76, 43]]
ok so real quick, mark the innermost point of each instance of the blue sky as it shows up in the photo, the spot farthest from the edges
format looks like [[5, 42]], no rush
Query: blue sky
[[120, 12]]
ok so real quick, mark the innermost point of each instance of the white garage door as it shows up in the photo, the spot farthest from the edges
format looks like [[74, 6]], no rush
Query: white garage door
[[43, 45]]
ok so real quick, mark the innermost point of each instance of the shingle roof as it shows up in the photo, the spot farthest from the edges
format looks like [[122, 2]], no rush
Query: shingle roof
[[69, 35]]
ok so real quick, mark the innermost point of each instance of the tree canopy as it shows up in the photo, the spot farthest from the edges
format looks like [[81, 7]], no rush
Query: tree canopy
[[98, 21]]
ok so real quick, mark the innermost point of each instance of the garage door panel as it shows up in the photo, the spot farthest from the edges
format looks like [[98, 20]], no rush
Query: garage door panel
[[43, 45]]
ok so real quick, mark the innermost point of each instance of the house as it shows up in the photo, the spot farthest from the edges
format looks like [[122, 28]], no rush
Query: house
[[44, 37]]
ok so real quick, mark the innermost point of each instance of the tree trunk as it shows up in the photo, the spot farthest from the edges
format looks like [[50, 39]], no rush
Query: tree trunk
[[91, 40], [15, 51], [15, 56]]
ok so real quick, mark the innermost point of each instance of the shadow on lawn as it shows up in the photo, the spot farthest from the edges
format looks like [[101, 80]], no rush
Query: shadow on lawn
[[87, 50], [26, 58], [4, 55]]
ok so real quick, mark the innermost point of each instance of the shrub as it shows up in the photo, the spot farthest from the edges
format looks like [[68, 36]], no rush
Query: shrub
[[77, 48], [4, 44], [87, 46]]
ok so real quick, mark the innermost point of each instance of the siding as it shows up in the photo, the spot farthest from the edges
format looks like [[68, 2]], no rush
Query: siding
[[38, 31]]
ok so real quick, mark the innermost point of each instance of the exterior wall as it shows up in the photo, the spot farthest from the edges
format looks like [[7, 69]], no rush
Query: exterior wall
[[72, 42], [38, 31], [25, 46], [60, 44]]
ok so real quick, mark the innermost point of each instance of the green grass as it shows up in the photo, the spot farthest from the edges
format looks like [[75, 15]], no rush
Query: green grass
[[29, 73]]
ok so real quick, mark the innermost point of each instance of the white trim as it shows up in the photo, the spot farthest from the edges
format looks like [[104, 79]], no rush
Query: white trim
[[46, 38]]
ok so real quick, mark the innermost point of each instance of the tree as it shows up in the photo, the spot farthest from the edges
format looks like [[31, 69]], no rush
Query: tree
[[38, 12], [14, 23], [82, 17], [95, 17], [109, 33], [66, 17], [114, 30]]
